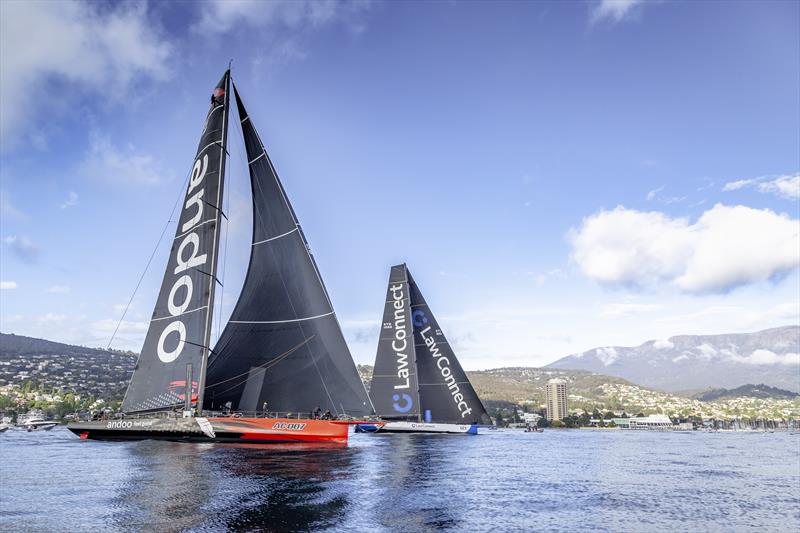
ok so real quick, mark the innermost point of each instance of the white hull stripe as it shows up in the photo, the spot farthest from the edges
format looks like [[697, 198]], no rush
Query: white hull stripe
[[278, 321], [276, 237]]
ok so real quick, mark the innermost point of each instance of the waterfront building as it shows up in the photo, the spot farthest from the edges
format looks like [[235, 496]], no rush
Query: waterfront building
[[531, 419], [642, 422], [556, 399]]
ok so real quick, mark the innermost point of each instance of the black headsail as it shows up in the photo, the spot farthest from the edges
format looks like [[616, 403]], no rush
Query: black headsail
[[445, 393], [282, 345], [180, 328], [394, 390]]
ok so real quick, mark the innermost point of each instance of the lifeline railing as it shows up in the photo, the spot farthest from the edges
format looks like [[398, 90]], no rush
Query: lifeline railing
[[240, 414]]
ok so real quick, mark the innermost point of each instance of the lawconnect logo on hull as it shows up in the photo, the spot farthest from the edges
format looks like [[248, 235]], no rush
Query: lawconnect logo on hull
[[442, 362], [402, 402]]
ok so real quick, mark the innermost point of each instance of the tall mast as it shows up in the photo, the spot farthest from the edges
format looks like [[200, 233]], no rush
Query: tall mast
[[201, 382], [180, 327]]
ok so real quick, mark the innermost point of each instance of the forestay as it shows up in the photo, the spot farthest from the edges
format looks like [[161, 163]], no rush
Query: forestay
[[282, 346]]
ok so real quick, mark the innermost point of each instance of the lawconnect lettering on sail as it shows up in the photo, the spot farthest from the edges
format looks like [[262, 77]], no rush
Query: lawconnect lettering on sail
[[443, 364], [400, 343]]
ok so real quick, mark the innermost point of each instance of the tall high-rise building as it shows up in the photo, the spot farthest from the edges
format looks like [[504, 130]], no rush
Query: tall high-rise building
[[556, 397]]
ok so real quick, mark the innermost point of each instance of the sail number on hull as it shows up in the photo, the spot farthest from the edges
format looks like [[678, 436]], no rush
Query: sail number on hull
[[188, 256]]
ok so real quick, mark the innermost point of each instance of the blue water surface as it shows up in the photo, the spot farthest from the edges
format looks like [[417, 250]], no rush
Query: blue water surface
[[505, 480]]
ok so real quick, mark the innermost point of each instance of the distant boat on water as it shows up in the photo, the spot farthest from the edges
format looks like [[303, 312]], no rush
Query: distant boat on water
[[281, 370], [35, 421], [418, 385]]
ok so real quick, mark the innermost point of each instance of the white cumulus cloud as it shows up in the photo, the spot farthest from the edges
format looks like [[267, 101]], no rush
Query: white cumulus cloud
[[219, 16], [726, 247], [786, 186], [105, 48], [615, 10], [58, 289], [707, 351], [8, 284], [607, 355], [108, 162], [23, 248], [663, 344], [621, 310], [767, 357]]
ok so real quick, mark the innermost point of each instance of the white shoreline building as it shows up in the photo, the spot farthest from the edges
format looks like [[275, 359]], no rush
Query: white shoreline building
[[556, 399]]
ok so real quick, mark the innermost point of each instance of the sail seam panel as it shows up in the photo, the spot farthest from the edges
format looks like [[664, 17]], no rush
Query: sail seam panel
[[294, 217], [257, 158], [276, 237], [176, 316], [278, 321], [194, 228], [209, 144]]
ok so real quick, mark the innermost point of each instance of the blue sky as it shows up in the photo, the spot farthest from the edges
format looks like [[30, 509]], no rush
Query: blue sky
[[558, 176]]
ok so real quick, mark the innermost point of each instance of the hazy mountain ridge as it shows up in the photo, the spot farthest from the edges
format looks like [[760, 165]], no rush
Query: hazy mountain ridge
[[770, 356], [505, 387], [54, 365], [11, 344], [525, 384], [746, 391]]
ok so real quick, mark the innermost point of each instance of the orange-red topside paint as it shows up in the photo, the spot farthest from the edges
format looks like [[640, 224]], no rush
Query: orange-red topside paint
[[282, 429]]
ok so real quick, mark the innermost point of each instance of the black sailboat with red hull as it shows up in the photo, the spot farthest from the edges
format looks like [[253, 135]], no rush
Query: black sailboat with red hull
[[282, 346]]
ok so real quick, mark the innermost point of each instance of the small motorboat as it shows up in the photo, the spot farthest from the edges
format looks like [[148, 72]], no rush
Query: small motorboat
[[35, 421]]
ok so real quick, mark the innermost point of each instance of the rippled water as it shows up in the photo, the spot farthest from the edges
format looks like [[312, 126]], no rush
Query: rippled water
[[502, 480]]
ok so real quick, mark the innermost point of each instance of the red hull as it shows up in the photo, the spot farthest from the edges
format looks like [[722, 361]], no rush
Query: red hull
[[217, 429], [280, 429]]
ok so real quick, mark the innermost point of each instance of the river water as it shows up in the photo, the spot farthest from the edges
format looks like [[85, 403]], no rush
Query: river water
[[505, 480]]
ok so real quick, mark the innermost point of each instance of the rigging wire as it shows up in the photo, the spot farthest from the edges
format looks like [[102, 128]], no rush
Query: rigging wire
[[152, 255], [266, 366], [234, 168], [227, 205]]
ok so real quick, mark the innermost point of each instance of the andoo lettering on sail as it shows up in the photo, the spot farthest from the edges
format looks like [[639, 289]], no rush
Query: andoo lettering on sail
[[180, 326]]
